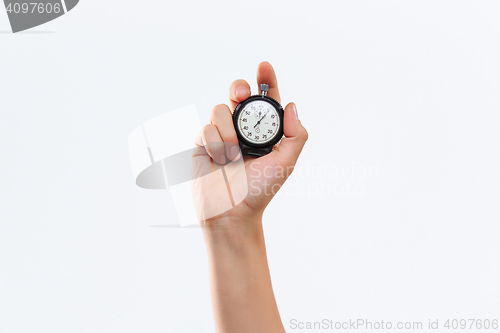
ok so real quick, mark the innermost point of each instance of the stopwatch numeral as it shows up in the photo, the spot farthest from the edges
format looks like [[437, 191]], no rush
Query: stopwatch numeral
[[272, 116], [264, 136], [256, 137], [244, 120], [245, 127], [274, 124], [247, 112], [249, 134], [269, 131]]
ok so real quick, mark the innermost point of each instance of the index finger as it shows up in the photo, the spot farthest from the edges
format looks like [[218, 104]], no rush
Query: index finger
[[265, 74]]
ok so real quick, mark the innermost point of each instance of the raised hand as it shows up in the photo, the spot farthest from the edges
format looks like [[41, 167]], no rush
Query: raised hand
[[252, 182]]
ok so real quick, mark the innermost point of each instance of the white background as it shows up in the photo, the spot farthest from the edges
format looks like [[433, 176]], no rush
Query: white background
[[410, 89]]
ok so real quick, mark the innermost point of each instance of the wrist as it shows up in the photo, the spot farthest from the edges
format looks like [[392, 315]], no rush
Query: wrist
[[234, 231], [229, 221]]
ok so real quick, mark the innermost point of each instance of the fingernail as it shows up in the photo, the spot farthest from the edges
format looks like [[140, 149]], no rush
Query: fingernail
[[294, 110], [234, 152], [241, 91]]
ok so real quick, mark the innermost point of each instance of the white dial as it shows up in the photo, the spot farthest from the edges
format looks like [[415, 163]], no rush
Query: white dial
[[259, 122]]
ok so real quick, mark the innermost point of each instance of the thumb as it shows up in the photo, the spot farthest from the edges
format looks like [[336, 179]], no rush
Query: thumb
[[291, 145]]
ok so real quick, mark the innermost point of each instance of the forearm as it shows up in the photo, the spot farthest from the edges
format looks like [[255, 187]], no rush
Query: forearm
[[242, 295]]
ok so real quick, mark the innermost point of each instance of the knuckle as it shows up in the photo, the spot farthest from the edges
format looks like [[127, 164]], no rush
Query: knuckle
[[302, 136], [218, 111], [305, 135], [208, 128], [208, 131]]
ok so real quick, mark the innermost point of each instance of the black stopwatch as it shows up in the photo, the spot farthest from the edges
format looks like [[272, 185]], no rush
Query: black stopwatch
[[258, 122]]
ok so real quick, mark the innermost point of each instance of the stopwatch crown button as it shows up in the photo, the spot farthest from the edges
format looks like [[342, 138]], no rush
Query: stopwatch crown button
[[264, 88]]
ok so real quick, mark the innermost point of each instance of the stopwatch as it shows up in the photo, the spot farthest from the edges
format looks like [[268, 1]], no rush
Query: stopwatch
[[258, 122]]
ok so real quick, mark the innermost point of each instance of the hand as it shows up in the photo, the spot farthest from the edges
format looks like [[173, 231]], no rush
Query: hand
[[254, 181]]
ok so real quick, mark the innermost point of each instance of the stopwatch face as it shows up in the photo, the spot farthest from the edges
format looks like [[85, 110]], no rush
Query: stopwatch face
[[259, 122]]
